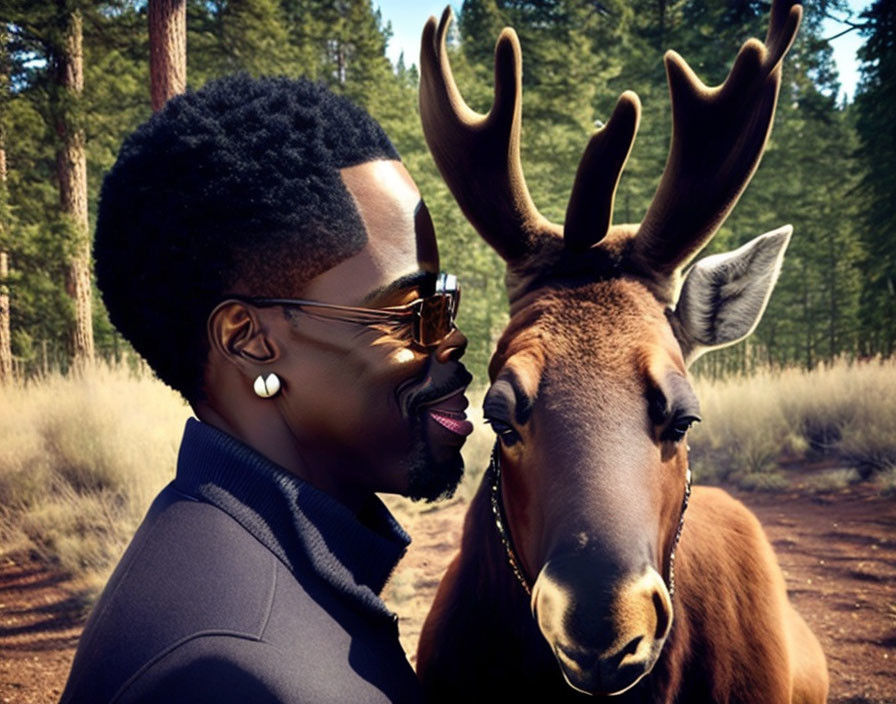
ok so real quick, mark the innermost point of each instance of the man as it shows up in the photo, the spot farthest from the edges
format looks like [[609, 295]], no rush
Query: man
[[261, 245]]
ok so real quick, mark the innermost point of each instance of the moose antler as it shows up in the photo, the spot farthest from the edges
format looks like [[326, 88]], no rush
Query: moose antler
[[479, 155], [590, 210], [718, 135]]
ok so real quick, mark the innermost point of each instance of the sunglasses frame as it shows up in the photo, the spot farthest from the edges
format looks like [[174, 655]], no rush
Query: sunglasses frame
[[447, 286]]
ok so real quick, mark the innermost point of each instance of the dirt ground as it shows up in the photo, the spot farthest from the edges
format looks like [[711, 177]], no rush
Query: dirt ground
[[837, 550]]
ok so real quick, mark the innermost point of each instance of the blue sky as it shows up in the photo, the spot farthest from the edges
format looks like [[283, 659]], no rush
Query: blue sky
[[408, 17], [846, 46]]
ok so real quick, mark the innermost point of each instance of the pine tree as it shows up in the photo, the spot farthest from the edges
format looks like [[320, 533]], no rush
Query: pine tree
[[227, 36], [67, 61], [571, 51], [808, 178], [5, 330], [875, 106], [351, 43]]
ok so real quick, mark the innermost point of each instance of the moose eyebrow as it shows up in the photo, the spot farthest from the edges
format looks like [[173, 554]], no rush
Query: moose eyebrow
[[671, 396], [419, 279], [504, 391], [680, 395]]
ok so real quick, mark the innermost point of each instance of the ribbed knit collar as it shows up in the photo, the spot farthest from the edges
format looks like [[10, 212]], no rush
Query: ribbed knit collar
[[301, 525]]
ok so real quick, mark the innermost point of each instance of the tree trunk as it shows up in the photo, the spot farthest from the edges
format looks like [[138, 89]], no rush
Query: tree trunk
[[71, 168], [167, 50], [5, 336], [661, 38]]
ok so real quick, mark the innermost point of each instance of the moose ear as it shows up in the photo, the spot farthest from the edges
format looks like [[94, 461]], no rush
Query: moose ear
[[724, 295]]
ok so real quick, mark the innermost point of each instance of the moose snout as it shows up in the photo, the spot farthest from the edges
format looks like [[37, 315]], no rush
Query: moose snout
[[605, 633]]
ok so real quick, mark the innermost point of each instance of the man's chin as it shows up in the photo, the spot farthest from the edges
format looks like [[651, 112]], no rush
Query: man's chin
[[432, 477]]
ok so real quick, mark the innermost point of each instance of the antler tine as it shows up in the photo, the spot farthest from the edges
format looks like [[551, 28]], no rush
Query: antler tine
[[479, 155], [718, 135], [590, 210]]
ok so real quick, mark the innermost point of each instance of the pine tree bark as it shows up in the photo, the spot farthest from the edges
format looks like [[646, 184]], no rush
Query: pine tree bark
[[5, 335], [71, 170], [167, 50]]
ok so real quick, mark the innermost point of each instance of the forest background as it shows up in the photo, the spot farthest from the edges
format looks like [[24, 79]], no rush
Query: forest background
[[828, 168]]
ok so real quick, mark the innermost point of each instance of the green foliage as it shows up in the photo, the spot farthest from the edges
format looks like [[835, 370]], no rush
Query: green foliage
[[828, 169], [876, 114], [225, 36], [571, 49]]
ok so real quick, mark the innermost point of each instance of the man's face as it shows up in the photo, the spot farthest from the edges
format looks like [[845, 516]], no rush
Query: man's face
[[370, 393]]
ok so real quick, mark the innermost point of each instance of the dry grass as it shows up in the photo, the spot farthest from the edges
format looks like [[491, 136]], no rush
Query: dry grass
[[81, 458], [751, 425], [888, 482]]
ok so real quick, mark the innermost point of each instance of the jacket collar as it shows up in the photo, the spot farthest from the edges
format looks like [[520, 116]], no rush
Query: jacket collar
[[303, 526]]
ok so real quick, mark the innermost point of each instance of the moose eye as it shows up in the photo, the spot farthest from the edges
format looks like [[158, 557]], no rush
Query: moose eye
[[678, 428], [504, 431]]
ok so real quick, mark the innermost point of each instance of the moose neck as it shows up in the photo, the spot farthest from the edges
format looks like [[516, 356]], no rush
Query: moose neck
[[502, 610]]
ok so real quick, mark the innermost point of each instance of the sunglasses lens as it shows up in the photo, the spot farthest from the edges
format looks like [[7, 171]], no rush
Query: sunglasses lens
[[436, 318]]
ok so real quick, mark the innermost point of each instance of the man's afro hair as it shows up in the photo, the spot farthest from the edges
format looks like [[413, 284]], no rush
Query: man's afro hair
[[236, 184]]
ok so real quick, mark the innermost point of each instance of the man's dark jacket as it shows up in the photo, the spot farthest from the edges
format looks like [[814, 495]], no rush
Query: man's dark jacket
[[246, 584]]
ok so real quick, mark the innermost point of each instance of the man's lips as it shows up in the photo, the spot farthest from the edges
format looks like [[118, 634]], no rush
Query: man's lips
[[448, 412], [458, 426]]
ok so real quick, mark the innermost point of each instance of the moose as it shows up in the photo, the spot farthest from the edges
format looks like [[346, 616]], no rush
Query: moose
[[579, 570]]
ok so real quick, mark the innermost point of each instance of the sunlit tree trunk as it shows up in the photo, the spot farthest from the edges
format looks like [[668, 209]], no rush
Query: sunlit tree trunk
[[71, 168], [5, 336], [167, 50]]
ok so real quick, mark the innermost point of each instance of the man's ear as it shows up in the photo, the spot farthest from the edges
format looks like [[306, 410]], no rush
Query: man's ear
[[724, 295], [236, 333]]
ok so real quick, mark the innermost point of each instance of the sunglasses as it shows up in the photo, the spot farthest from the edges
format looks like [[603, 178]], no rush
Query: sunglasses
[[431, 319]]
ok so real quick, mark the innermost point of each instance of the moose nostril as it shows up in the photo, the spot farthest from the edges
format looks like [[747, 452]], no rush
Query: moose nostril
[[630, 648], [662, 605], [594, 672], [605, 640], [583, 659], [663, 614]]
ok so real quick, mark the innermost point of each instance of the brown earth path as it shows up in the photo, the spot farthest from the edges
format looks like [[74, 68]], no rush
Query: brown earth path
[[41, 615], [838, 552]]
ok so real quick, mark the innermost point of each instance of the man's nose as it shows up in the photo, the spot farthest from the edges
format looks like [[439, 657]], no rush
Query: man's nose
[[452, 347]]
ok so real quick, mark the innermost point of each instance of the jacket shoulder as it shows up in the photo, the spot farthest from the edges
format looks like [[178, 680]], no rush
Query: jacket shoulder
[[190, 569]]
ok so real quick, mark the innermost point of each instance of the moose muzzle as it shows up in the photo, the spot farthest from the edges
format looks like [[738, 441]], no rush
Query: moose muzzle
[[606, 633]]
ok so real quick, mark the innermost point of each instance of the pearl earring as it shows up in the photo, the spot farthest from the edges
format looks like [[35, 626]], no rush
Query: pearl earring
[[267, 386]]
